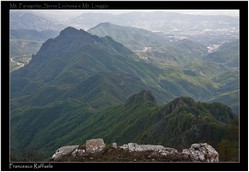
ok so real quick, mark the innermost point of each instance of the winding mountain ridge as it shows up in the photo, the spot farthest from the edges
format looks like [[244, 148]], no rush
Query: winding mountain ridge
[[155, 47], [133, 38]]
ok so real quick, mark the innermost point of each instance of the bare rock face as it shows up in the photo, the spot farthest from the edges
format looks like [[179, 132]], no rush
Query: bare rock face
[[134, 147], [125, 147], [74, 151], [78, 152], [95, 145], [201, 152], [63, 151], [152, 147], [171, 150], [114, 145]]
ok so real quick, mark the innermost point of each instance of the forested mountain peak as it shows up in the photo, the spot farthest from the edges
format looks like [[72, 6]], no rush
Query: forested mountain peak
[[144, 95]]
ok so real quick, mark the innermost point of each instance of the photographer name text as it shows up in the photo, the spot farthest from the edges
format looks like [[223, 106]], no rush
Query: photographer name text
[[31, 166]]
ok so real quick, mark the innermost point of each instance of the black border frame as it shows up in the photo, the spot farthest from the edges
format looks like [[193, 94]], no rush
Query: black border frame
[[6, 6]]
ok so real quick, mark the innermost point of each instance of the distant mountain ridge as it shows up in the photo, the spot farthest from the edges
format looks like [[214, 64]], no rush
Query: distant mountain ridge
[[187, 25], [31, 21], [152, 46], [157, 20], [133, 38], [32, 35]]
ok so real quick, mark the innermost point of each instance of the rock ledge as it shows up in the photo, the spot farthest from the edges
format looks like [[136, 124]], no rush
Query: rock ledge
[[97, 150]]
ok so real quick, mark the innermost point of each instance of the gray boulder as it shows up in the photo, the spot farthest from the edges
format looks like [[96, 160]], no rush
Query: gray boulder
[[63, 151], [114, 145], [125, 147], [170, 150], [138, 148], [201, 152], [149, 148], [78, 152], [95, 145]]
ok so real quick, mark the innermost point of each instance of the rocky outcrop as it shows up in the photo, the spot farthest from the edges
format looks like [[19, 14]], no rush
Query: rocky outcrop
[[96, 148], [64, 151], [78, 152], [114, 145], [201, 152], [157, 148], [95, 145]]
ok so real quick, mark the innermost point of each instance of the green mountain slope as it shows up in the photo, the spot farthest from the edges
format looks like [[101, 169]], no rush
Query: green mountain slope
[[227, 53], [45, 127], [178, 123], [181, 121], [133, 38], [24, 43], [231, 98], [68, 63], [189, 69], [154, 47]]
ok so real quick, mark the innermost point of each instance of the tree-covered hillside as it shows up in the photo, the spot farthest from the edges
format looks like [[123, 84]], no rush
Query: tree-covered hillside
[[178, 123]]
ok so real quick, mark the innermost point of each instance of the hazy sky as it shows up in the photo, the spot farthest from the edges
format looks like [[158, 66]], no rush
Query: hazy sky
[[74, 13]]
